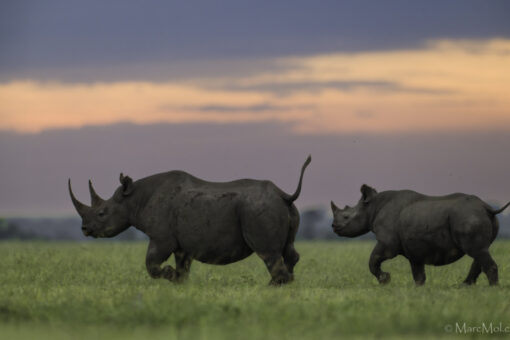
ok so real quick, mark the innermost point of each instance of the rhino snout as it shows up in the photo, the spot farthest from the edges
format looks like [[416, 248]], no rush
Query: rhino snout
[[337, 228], [87, 231]]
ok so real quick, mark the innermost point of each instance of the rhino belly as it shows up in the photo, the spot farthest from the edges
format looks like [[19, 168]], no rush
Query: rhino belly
[[433, 246], [212, 236], [431, 254], [215, 255]]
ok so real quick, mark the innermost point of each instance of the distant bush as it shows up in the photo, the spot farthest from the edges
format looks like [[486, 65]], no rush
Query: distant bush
[[9, 230]]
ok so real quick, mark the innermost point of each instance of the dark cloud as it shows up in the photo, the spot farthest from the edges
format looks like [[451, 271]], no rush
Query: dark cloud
[[35, 167], [106, 40], [262, 107], [316, 86]]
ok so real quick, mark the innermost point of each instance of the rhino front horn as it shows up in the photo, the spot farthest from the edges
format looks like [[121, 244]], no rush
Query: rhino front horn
[[80, 207], [94, 197]]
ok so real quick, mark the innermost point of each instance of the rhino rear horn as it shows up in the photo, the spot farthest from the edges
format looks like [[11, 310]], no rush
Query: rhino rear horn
[[81, 208], [94, 197]]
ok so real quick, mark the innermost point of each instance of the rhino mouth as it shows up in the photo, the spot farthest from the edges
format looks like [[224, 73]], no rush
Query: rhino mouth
[[337, 227], [88, 232], [345, 231]]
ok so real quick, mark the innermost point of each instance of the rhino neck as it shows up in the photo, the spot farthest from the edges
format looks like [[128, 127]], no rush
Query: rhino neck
[[134, 206], [377, 204], [150, 203]]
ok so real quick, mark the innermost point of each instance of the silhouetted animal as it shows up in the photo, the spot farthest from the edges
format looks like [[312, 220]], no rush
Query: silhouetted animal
[[217, 223], [424, 229]]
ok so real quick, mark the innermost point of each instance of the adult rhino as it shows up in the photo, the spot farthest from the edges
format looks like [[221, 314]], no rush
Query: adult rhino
[[217, 223], [425, 229]]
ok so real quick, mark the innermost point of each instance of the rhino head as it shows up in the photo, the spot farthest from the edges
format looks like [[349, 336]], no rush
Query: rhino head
[[105, 218], [354, 221]]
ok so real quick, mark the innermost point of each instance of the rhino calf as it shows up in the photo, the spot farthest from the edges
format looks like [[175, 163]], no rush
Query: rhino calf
[[217, 223], [425, 229]]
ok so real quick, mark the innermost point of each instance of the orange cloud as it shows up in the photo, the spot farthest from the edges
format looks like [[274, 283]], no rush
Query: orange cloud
[[446, 85]]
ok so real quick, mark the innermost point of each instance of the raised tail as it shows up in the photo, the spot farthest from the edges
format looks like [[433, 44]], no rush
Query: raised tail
[[295, 195], [500, 210]]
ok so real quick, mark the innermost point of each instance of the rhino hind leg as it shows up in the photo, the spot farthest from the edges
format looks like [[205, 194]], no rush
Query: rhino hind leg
[[477, 246], [290, 255], [418, 270], [380, 254], [268, 236], [489, 267], [277, 268], [474, 272]]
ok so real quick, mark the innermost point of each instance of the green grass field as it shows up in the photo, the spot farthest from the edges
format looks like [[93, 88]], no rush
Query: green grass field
[[101, 290]]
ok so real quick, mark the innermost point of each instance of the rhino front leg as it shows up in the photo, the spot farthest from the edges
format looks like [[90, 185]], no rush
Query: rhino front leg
[[182, 264], [157, 253], [418, 270], [380, 254], [474, 272]]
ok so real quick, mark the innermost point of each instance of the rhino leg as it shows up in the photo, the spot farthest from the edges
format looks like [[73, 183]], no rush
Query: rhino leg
[[157, 253], [474, 272], [489, 267], [475, 239], [290, 255], [380, 254], [418, 270], [277, 268], [182, 264], [264, 233]]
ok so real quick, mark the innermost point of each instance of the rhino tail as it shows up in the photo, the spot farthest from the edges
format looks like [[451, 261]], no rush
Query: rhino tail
[[498, 211], [291, 198]]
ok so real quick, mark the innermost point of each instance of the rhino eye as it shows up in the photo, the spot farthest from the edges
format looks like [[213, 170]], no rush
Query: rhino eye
[[101, 213], [346, 217]]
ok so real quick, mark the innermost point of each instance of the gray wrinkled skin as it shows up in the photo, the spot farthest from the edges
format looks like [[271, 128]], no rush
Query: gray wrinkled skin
[[425, 229], [217, 223]]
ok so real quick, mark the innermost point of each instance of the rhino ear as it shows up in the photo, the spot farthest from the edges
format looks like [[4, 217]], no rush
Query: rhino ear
[[367, 193], [334, 207], [127, 184]]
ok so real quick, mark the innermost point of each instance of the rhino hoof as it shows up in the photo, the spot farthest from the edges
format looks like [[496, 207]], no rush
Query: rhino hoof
[[181, 278], [384, 278], [279, 281]]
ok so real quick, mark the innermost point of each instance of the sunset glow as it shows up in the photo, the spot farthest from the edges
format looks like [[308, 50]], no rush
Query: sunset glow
[[445, 85]]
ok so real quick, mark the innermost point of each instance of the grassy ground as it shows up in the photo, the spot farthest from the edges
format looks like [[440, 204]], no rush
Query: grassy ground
[[101, 290]]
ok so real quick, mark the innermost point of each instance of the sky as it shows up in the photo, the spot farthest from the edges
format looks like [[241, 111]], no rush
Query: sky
[[399, 94]]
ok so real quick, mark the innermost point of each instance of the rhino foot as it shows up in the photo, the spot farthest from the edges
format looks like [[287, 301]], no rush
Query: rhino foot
[[169, 273], [384, 278], [281, 280], [468, 282]]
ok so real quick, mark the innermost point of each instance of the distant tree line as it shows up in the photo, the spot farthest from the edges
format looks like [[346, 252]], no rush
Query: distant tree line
[[315, 224], [10, 230]]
